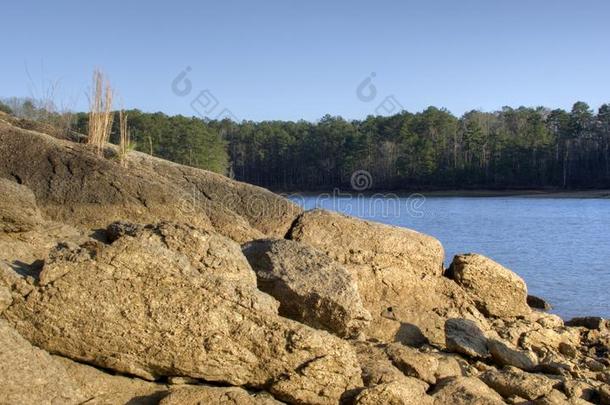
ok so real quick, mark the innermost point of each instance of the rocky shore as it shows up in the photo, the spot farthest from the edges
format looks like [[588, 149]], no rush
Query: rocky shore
[[157, 283]]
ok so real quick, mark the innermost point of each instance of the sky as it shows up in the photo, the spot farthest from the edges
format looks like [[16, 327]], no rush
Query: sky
[[294, 60]]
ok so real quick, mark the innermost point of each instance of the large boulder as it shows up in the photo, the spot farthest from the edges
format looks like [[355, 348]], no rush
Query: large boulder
[[18, 209], [74, 185], [140, 308], [497, 291], [399, 275], [30, 375], [311, 287]]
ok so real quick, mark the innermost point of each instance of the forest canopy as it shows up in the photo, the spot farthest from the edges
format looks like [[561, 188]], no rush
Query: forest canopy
[[433, 149]]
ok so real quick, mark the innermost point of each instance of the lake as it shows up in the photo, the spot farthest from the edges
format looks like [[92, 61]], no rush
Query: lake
[[560, 246]]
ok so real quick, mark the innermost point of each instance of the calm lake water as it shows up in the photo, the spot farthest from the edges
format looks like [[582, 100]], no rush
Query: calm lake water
[[560, 246]]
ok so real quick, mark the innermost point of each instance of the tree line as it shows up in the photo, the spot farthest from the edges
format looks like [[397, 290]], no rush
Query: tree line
[[432, 149], [510, 148]]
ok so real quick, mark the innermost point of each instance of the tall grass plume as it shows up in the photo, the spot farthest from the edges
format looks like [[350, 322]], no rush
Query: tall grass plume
[[100, 112]]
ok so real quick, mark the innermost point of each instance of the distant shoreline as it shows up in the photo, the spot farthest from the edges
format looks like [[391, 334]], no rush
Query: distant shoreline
[[535, 193]]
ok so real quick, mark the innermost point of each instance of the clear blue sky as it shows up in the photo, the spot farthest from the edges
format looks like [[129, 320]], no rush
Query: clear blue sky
[[302, 59]]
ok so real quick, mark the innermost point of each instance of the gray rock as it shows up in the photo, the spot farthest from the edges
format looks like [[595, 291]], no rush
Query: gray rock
[[310, 287], [465, 337]]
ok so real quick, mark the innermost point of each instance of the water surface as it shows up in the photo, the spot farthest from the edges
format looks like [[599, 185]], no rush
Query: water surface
[[560, 246]]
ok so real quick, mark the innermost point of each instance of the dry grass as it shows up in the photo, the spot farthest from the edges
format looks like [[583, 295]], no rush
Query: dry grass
[[100, 112], [124, 138]]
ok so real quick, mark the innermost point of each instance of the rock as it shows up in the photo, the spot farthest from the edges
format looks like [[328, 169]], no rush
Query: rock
[[399, 275], [497, 291], [538, 303], [465, 337], [512, 381], [604, 394], [449, 366], [554, 397], [6, 298], [549, 321], [409, 392], [108, 389], [413, 363], [206, 250], [504, 355], [139, 308], [311, 287], [589, 322], [575, 389], [18, 210], [465, 391], [543, 340], [375, 364], [72, 184], [30, 376], [196, 395]]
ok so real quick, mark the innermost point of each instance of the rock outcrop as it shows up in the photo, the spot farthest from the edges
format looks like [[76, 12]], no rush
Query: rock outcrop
[[155, 283], [74, 186], [140, 308], [399, 275], [310, 287]]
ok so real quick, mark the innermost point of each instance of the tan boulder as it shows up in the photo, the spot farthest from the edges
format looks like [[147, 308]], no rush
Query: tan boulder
[[30, 375], [199, 395], [375, 364], [139, 308], [407, 392], [497, 291], [413, 363], [18, 209], [399, 275], [310, 287], [513, 382], [465, 391]]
